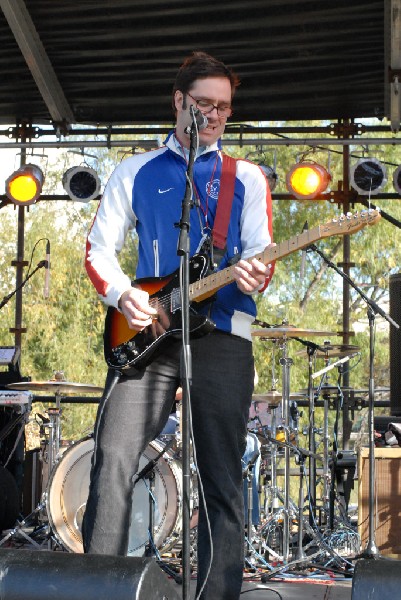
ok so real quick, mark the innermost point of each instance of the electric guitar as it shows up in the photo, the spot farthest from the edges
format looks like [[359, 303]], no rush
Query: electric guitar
[[124, 348]]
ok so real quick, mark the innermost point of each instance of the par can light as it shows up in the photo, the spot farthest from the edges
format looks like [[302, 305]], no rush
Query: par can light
[[81, 183], [306, 180], [24, 186], [368, 176], [397, 180]]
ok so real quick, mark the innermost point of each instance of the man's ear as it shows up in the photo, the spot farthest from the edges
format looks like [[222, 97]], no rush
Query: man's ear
[[180, 100]]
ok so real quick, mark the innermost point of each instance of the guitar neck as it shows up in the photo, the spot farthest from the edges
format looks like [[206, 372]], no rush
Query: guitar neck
[[204, 288]]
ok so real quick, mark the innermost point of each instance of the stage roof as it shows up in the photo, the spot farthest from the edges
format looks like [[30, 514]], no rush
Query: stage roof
[[114, 61]]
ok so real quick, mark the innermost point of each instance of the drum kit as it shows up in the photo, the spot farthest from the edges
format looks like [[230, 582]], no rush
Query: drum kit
[[56, 520], [274, 418], [273, 423]]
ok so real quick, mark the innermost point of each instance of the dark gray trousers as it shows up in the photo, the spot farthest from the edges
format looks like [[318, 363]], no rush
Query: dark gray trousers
[[134, 415]]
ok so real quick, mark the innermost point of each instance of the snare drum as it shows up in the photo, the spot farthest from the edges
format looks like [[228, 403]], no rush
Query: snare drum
[[68, 492]]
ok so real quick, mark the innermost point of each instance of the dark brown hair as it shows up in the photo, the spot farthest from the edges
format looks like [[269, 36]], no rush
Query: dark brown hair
[[200, 65]]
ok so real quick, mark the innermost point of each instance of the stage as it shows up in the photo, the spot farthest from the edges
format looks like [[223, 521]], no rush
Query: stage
[[253, 589]]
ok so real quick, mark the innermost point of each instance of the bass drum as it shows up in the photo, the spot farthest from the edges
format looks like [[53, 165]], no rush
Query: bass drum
[[68, 492]]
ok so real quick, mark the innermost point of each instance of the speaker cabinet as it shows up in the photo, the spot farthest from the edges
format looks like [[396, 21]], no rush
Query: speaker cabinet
[[45, 575], [387, 499], [376, 579]]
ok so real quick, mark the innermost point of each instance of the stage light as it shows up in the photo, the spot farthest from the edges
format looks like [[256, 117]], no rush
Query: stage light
[[24, 186], [270, 175], [306, 180], [81, 183], [368, 176], [397, 180]]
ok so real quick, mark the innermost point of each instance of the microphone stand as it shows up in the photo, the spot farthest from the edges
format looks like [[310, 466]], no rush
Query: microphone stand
[[371, 550], [183, 250], [42, 263], [148, 472]]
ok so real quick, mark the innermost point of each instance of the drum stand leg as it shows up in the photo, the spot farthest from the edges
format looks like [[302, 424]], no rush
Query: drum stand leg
[[18, 529], [300, 554], [248, 475]]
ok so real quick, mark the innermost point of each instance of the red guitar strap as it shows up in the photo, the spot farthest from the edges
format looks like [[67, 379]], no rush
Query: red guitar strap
[[224, 203]]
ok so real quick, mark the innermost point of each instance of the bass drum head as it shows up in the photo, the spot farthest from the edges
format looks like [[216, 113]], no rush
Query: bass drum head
[[68, 492]]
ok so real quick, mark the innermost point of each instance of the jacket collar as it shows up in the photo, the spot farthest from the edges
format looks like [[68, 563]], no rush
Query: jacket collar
[[173, 144]]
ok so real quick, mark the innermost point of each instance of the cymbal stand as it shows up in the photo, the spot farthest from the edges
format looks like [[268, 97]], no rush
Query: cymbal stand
[[326, 442], [312, 442], [300, 554], [286, 363], [273, 466], [274, 500], [54, 427]]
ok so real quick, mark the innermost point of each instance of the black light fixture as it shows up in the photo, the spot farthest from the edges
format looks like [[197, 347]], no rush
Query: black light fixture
[[81, 183], [270, 175], [24, 186], [260, 158], [368, 176], [307, 179], [397, 180]]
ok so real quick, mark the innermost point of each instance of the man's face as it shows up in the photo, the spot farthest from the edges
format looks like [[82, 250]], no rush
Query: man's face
[[217, 91]]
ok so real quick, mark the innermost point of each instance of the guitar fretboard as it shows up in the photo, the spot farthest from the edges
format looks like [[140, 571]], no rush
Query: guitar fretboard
[[210, 284]]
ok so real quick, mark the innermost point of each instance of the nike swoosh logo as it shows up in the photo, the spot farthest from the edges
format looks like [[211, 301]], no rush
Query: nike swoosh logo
[[164, 191]]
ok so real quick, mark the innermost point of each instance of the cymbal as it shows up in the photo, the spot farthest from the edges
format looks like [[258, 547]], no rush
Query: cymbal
[[331, 351], [273, 398], [56, 387], [289, 332]]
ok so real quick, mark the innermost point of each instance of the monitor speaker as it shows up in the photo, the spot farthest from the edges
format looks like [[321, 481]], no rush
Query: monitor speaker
[[376, 579], [45, 575]]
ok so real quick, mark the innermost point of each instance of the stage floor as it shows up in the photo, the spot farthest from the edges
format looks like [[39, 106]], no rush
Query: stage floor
[[289, 590]]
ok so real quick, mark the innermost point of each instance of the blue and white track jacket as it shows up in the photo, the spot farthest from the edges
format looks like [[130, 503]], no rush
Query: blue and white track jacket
[[145, 192]]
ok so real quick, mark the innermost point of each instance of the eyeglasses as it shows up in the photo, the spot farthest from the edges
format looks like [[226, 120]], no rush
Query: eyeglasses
[[206, 107]]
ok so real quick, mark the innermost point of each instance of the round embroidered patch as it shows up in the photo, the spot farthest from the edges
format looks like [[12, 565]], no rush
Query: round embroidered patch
[[212, 188]]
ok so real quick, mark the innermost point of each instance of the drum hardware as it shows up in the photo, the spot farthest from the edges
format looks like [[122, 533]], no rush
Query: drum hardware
[[148, 473], [327, 512], [282, 334], [248, 476], [300, 553], [30, 523]]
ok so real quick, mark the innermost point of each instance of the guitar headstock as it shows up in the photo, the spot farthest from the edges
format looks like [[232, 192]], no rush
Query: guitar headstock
[[350, 223]]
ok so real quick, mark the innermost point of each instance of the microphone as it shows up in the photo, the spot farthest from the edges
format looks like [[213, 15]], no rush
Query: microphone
[[201, 120], [47, 271]]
